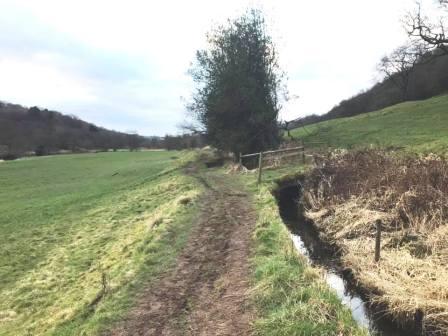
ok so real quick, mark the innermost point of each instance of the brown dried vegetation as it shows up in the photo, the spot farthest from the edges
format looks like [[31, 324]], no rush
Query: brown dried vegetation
[[347, 191]]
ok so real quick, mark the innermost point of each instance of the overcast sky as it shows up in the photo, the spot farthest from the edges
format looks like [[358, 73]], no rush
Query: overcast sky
[[123, 64]]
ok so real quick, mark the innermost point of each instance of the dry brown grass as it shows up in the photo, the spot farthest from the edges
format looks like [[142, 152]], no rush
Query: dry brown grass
[[348, 191]]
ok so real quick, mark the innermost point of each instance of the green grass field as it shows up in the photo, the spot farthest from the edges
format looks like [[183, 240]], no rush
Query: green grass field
[[80, 233], [420, 126]]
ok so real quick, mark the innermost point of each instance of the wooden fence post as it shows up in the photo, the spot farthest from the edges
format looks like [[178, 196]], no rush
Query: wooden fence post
[[303, 151], [260, 166], [378, 240], [240, 160]]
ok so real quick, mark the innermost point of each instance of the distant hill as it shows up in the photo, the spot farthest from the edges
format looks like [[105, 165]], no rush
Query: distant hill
[[420, 126], [428, 80], [41, 131]]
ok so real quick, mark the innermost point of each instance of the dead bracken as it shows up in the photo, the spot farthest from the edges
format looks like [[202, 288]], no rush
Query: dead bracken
[[348, 191]]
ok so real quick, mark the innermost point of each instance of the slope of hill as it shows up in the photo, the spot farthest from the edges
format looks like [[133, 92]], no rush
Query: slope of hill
[[42, 131], [426, 80], [420, 126]]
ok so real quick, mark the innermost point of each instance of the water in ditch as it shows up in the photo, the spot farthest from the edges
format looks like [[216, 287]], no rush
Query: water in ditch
[[307, 242]]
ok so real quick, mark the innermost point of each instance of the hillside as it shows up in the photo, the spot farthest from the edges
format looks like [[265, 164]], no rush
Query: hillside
[[420, 126], [40, 131], [426, 80]]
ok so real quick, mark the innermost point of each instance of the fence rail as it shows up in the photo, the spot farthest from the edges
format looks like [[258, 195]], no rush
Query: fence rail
[[300, 151]]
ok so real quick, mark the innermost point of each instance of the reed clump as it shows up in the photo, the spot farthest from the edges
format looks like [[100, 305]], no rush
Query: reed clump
[[348, 191]]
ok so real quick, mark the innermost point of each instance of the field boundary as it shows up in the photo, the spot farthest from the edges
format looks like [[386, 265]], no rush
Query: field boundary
[[291, 152]]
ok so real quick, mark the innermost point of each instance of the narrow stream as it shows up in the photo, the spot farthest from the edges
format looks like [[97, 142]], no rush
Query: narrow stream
[[307, 242]]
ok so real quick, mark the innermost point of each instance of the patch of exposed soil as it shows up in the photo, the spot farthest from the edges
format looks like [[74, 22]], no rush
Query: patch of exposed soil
[[206, 293]]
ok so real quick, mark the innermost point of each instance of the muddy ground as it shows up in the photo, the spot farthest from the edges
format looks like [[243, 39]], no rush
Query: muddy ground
[[207, 291]]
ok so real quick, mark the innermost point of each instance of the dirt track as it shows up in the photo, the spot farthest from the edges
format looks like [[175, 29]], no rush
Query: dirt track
[[206, 293]]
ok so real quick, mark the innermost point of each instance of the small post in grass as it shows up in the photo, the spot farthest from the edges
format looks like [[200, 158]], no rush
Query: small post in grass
[[240, 160], [260, 166], [378, 240]]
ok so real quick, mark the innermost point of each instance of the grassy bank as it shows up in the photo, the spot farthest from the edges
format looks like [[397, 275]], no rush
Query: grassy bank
[[420, 126], [291, 296], [345, 196], [79, 234]]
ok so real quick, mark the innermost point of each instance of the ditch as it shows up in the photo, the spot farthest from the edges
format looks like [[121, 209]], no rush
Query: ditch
[[306, 240]]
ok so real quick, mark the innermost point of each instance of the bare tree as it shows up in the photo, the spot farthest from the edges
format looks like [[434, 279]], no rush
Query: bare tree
[[191, 127], [430, 31], [401, 63]]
